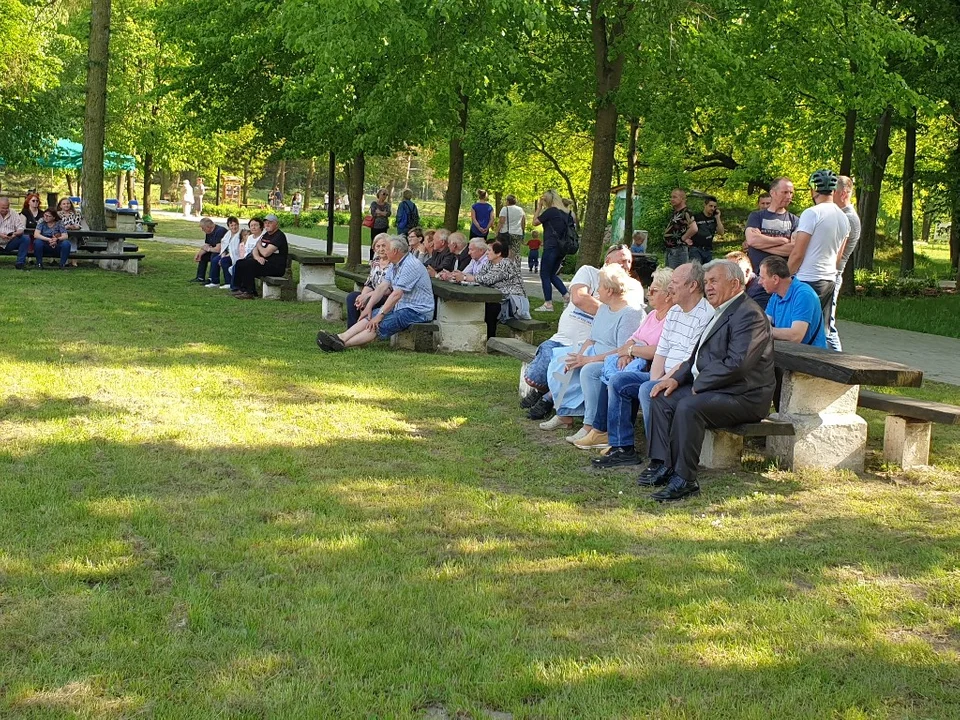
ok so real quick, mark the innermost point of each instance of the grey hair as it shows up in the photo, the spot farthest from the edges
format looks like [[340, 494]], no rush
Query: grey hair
[[732, 269], [398, 243], [478, 244], [206, 221], [443, 234], [696, 274], [776, 183], [457, 238]]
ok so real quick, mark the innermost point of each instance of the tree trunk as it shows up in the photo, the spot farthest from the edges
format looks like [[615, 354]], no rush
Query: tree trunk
[[355, 172], [69, 185], [631, 176], [607, 74], [870, 203], [119, 189], [147, 183], [906, 204], [245, 190], [311, 171], [282, 172], [955, 191], [926, 225], [451, 208], [131, 190], [95, 113], [849, 139], [497, 201]]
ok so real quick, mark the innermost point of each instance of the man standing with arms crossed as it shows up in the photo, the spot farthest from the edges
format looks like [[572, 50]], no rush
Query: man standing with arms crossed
[[769, 231], [842, 198]]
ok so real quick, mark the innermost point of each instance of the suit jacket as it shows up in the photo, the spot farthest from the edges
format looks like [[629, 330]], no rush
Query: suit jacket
[[736, 358]]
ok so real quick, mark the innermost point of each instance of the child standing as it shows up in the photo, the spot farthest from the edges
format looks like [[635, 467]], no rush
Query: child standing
[[533, 257]]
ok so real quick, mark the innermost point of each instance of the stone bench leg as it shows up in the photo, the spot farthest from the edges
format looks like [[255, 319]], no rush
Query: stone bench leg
[[314, 275], [829, 433], [330, 310], [721, 450], [462, 327], [415, 339], [906, 442], [131, 266], [525, 335], [272, 293]]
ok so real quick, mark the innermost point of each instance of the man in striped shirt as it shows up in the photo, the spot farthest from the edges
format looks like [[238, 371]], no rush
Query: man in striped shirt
[[409, 294], [681, 331]]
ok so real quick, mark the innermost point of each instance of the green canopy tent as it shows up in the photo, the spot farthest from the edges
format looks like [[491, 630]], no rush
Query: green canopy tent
[[68, 155]]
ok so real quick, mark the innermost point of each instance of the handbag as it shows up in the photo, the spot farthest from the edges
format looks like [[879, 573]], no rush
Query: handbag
[[368, 221]]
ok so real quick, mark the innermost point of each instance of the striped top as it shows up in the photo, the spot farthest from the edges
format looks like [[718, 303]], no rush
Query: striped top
[[681, 331], [411, 277]]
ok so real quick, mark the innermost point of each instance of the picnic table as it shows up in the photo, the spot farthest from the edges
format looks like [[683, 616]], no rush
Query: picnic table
[[114, 257], [819, 396]]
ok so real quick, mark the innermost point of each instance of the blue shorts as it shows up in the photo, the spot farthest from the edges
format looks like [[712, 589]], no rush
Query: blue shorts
[[398, 320]]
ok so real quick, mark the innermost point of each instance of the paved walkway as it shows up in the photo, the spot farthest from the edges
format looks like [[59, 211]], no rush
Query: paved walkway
[[937, 356]]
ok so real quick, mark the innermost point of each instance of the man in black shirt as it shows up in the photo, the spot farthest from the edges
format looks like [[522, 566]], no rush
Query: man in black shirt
[[441, 259], [211, 247], [708, 226]]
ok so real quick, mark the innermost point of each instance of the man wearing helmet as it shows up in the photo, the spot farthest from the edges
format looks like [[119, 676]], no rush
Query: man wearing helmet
[[819, 239]]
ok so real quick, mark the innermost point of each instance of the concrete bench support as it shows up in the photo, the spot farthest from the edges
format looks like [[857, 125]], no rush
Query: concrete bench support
[[315, 270], [906, 442], [120, 262], [829, 433], [419, 337], [277, 288], [462, 327], [723, 447]]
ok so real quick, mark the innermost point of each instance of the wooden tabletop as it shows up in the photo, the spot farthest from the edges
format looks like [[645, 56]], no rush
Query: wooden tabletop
[[844, 367], [111, 234], [465, 293]]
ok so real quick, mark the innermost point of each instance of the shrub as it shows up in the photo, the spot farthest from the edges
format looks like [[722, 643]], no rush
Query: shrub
[[883, 283]]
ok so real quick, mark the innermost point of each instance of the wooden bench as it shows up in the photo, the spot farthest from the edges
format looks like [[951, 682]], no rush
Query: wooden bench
[[515, 348], [277, 288], [333, 301], [524, 329], [101, 246], [908, 426], [358, 277], [314, 270], [723, 447], [127, 262], [819, 395], [150, 225]]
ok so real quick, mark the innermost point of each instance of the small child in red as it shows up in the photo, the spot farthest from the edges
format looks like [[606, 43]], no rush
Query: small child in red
[[533, 257]]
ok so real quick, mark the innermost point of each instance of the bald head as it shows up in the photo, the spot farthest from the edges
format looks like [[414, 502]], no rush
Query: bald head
[[678, 199], [4, 205]]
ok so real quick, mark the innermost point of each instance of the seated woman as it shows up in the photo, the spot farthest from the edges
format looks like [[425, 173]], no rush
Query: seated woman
[[614, 322], [228, 256], [31, 215], [50, 238], [634, 356], [71, 218], [269, 257], [426, 247], [357, 300], [505, 277], [415, 238]]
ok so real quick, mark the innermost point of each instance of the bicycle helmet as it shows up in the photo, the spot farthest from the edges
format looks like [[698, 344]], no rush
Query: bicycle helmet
[[824, 181]]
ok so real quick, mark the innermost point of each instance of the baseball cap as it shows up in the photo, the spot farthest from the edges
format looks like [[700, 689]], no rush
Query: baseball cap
[[273, 217]]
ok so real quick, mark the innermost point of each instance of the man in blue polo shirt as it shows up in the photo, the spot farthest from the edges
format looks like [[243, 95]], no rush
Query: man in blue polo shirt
[[794, 308], [409, 293]]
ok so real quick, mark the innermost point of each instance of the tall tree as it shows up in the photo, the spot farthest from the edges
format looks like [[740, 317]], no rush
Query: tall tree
[[906, 205], [94, 124]]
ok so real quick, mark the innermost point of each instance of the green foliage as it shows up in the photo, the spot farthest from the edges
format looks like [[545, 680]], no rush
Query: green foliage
[[883, 283]]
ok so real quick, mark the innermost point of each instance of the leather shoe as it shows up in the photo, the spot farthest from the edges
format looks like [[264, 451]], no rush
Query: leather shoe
[[677, 489], [541, 410], [616, 457], [655, 475]]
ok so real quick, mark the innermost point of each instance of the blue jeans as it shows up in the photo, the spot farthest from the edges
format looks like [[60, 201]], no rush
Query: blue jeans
[[549, 267], [20, 245], [623, 389], [536, 375], [221, 262], [398, 320], [533, 260], [42, 247], [677, 256], [701, 255], [590, 381]]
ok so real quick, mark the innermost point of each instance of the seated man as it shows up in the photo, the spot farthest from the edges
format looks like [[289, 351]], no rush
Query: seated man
[[409, 300], [574, 327], [441, 260], [681, 330], [458, 246], [794, 308], [12, 237], [478, 260], [727, 380], [214, 234]]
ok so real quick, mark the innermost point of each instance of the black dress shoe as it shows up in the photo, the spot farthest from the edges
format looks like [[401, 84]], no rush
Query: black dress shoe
[[677, 489], [616, 457], [655, 475], [530, 400], [541, 410], [199, 280]]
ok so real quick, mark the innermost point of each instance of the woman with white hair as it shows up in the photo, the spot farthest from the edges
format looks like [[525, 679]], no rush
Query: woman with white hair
[[613, 324], [186, 197], [554, 216], [634, 356]]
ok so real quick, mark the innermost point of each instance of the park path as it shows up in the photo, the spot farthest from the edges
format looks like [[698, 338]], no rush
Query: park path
[[937, 356]]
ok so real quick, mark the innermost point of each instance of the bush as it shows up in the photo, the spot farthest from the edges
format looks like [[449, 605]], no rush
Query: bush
[[883, 283]]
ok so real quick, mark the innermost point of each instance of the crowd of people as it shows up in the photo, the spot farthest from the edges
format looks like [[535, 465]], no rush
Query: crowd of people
[[34, 234]]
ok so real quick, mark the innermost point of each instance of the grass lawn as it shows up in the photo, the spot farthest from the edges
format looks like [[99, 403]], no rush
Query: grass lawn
[[202, 515]]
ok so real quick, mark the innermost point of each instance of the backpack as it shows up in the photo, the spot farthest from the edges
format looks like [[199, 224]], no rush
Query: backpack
[[569, 242], [413, 215]]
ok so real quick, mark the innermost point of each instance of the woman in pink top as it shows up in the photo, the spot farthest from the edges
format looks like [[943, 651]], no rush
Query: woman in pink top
[[634, 356]]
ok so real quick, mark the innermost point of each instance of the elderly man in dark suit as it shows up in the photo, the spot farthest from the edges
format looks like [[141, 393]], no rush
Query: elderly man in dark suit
[[728, 380]]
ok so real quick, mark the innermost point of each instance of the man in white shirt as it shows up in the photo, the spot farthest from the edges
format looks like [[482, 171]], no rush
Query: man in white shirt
[[12, 237], [842, 197], [574, 326], [818, 240], [681, 330]]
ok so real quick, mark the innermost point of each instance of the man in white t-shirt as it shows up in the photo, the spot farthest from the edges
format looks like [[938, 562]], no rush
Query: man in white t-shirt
[[574, 326], [819, 239]]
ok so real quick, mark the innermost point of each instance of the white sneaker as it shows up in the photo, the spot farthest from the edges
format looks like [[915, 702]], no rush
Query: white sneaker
[[545, 308], [225, 287], [211, 285], [554, 423], [578, 435]]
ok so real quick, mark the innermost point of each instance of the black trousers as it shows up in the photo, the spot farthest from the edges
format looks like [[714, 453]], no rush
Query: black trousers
[[490, 314], [679, 422], [203, 264], [247, 270]]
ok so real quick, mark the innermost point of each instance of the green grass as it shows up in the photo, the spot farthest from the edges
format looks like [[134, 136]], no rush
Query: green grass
[[204, 516], [936, 315]]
